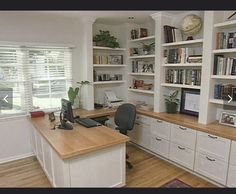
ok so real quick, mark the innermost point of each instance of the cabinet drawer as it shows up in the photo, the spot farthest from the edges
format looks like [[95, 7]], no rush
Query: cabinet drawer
[[143, 120], [160, 146], [161, 128], [231, 181], [182, 155], [211, 167], [213, 145], [232, 159], [183, 135]]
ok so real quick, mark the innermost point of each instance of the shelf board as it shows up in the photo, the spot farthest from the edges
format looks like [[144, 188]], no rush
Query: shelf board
[[216, 101], [180, 86], [143, 74], [229, 50], [108, 82], [107, 48], [227, 24], [142, 39], [107, 65], [197, 41], [142, 56], [223, 77], [182, 65], [141, 91]]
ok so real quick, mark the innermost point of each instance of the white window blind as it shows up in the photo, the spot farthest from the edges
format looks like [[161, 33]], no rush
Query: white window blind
[[39, 76]]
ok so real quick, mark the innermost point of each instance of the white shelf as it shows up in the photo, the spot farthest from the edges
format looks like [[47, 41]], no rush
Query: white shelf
[[182, 65], [142, 39], [108, 82], [223, 77], [142, 56], [216, 101], [187, 42], [107, 48], [180, 86], [107, 65], [230, 50], [227, 24], [143, 74], [141, 91]]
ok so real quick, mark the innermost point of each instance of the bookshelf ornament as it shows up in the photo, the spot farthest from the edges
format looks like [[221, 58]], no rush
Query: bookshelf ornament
[[191, 25]]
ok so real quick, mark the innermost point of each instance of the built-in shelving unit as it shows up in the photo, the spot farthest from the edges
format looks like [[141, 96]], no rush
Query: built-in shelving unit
[[187, 42], [107, 65], [180, 86], [233, 77], [142, 56], [143, 74], [225, 25], [230, 50], [108, 82], [142, 39], [141, 91], [107, 48], [182, 65]]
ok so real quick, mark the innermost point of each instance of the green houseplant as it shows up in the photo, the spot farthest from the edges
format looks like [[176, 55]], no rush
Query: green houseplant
[[106, 39], [148, 48], [172, 102]]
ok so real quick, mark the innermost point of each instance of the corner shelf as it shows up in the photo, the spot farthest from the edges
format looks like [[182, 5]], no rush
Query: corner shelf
[[141, 56], [180, 86], [182, 65], [143, 74], [142, 39], [227, 24], [108, 65], [141, 91], [108, 82], [107, 48], [187, 42], [232, 77], [229, 50]]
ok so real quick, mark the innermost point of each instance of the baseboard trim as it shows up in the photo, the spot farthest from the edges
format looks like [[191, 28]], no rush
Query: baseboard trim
[[10, 159]]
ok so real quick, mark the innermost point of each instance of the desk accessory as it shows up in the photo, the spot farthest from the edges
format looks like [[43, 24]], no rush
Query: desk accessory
[[35, 114]]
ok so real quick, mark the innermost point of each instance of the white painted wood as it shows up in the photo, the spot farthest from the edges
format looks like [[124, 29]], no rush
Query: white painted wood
[[226, 24], [232, 159], [107, 65], [231, 179], [216, 146], [108, 82], [103, 168], [142, 39], [211, 167], [188, 42], [107, 48], [143, 119], [33, 140], [229, 50], [161, 128], [143, 74], [180, 86], [141, 91], [216, 101], [47, 156], [142, 57], [39, 148], [182, 65], [223, 76], [182, 155], [160, 145]]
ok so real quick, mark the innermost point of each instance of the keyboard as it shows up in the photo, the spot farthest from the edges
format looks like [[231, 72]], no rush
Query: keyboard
[[87, 122]]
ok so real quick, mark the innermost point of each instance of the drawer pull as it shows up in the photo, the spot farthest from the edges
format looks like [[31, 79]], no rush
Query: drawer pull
[[212, 160], [181, 148], [159, 121], [183, 128], [158, 139], [213, 137]]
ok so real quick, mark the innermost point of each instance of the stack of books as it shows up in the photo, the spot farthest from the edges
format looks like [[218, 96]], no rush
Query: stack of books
[[225, 40], [221, 91], [172, 34], [224, 65], [176, 55], [194, 59]]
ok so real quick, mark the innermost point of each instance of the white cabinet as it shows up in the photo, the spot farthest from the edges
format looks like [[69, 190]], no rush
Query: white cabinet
[[183, 135], [160, 145], [231, 181], [212, 155], [182, 155], [140, 134], [33, 140], [161, 128], [39, 148], [47, 155]]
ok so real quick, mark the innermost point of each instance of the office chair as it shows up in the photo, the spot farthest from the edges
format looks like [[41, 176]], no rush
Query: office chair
[[124, 119]]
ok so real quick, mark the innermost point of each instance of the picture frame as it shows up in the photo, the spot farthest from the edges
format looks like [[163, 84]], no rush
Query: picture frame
[[116, 59], [51, 117], [190, 100], [227, 118]]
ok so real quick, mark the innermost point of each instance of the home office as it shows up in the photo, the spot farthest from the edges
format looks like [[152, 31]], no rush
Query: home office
[[176, 67]]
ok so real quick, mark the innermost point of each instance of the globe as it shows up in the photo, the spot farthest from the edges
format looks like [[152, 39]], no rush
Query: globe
[[191, 25]]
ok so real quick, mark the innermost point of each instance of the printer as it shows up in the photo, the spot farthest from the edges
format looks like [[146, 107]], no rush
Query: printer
[[111, 100]]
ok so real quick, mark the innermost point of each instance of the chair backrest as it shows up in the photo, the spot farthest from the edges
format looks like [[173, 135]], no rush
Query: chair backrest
[[125, 117]]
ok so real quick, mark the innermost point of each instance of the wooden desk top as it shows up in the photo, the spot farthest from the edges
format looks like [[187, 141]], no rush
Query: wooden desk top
[[80, 140]]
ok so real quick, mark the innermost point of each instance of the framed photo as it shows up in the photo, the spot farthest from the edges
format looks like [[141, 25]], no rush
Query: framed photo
[[51, 117], [190, 99], [116, 59], [143, 32], [228, 119]]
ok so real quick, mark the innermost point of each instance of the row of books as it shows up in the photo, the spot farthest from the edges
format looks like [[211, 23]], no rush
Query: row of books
[[138, 33], [172, 34], [221, 91], [108, 59], [225, 40], [180, 55], [142, 67], [183, 76], [224, 65]]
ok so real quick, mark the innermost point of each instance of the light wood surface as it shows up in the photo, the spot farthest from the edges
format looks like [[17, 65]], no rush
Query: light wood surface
[[148, 171], [80, 140], [180, 119]]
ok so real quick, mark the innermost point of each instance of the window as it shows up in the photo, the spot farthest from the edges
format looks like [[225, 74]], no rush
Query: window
[[39, 77]]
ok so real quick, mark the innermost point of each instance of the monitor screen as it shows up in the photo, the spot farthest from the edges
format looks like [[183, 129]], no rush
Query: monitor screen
[[66, 109]]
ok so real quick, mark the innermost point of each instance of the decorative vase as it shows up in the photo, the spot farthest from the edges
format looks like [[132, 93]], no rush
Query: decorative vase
[[171, 107]]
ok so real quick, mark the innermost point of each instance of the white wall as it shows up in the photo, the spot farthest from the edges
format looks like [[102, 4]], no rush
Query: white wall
[[23, 26]]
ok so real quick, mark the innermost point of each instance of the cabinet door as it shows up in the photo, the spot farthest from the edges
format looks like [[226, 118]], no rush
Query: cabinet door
[[213, 145], [39, 148], [183, 135], [211, 167], [233, 153], [160, 145], [231, 181], [47, 155], [161, 128], [182, 155], [33, 140]]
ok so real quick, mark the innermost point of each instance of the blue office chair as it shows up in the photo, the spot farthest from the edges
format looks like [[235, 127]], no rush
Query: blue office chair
[[124, 119]]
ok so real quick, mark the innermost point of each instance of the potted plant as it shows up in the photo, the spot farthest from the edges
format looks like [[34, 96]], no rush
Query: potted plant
[[72, 94], [105, 39], [148, 48], [172, 102]]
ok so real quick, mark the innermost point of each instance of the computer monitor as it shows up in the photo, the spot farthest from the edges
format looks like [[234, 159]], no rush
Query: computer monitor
[[66, 114]]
